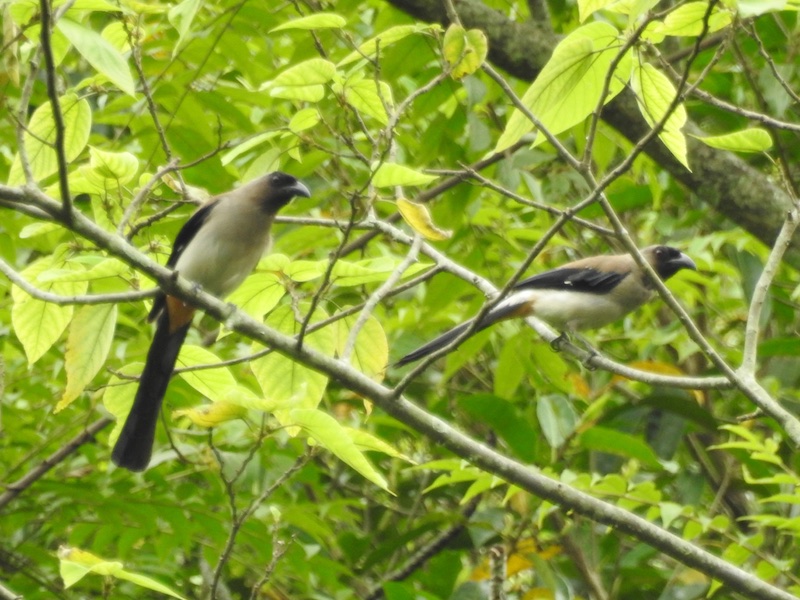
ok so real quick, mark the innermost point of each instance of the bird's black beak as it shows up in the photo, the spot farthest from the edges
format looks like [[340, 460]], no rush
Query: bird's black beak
[[682, 261], [299, 189]]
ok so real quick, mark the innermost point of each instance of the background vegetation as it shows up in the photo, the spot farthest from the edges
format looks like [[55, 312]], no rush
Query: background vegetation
[[450, 147]]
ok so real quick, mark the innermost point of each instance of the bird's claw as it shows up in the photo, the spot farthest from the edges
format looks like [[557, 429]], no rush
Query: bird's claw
[[557, 343], [587, 361]]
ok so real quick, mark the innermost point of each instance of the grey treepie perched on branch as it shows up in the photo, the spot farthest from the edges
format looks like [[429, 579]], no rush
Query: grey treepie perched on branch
[[584, 294], [217, 248]]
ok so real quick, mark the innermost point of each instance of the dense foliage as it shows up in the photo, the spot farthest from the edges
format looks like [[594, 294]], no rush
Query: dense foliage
[[436, 179]]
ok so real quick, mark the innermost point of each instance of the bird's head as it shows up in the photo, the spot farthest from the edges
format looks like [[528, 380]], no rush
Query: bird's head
[[667, 260], [278, 188]]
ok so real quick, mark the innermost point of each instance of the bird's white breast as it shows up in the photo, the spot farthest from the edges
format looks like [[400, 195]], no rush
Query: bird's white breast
[[226, 249]]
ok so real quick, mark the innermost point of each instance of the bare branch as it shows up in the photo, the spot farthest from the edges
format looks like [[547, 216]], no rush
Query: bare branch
[[35, 292], [58, 118], [761, 291], [16, 488]]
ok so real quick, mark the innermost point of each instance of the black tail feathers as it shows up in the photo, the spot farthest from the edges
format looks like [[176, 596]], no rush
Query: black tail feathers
[[135, 443], [508, 308]]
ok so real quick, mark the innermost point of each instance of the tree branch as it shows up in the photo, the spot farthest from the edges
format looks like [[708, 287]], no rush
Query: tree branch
[[482, 456]]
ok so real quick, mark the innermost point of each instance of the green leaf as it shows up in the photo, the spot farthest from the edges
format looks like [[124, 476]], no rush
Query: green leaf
[[753, 8], [320, 20], [569, 86], [587, 7], [214, 383], [504, 419], [40, 136], [363, 96], [390, 175], [748, 140], [259, 294], [118, 397], [74, 564], [304, 81], [119, 166], [601, 439], [181, 17], [329, 434], [371, 270], [88, 343], [687, 20], [654, 94], [253, 142], [100, 54], [38, 324], [384, 39], [371, 351], [366, 442], [557, 418], [285, 383], [465, 50], [304, 119]]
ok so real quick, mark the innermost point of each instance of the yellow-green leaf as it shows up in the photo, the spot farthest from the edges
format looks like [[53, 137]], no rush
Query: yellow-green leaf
[[119, 166], [371, 270], [748, 140], [391, 174], [569, 86], [303, 81], [315, 71], [329, 434], [384, 39], [587, 7], [253, 142], [259, 294], [37, 324], [304, 119], [181, 17], [99, 53], [365, 442], [284, 382], [321, 20], [214, 384], [305, 270], [465, 50], [654, 94], [371, 351], [75, 564], [211, 415], [363, 96], [419, 218], [40, 136], [90, 335], [687, 20]]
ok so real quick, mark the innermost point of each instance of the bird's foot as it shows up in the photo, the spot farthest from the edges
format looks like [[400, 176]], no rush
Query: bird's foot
[[557, 343], [587, 361]]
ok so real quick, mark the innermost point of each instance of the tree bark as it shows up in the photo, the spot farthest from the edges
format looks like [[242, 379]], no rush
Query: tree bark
[[746, 196]]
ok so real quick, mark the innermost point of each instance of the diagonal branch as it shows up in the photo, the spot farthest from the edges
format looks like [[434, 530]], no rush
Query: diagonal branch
[[482, 456]]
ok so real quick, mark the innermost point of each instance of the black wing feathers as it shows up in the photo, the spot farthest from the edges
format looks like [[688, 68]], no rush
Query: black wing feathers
[[573, 279], [185, 235], [188, 231]]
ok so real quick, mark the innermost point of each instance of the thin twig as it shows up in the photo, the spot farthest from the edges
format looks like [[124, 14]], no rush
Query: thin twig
[[35, 292], [58, 118], [378, 295], [16, 488], [761, 292]]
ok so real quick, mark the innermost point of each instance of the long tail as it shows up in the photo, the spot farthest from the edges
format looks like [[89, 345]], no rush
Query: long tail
[[508, 308], [135, 444]]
